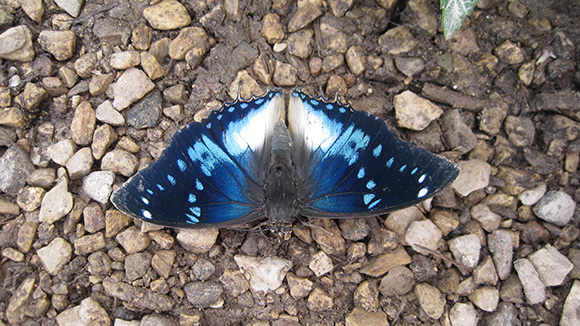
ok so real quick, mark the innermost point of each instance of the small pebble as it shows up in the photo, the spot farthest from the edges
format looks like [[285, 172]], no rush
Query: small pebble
[[16, 44], [551, 265], [474, 175], [62, 151], [423, 234], [56, 203], [130, 87], [556, 207], [132, 240], [167, 15], [98, 185], [466, 249], [534, 288], [463, 314], [197, 241], [79, 165], [55, 255], [265, 274], [431, 300], [61, 44], [485, 298]]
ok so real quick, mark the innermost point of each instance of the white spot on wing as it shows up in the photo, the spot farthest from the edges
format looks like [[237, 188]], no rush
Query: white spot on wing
[[422, 192]]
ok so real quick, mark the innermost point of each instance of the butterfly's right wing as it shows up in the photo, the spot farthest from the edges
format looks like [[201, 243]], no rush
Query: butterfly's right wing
[[209, 176]]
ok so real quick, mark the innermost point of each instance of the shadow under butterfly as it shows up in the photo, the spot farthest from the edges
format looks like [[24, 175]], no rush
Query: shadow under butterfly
[[243, 163]]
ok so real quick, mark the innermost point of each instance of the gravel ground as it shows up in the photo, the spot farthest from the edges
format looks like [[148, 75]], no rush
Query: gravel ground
[[93, 91]]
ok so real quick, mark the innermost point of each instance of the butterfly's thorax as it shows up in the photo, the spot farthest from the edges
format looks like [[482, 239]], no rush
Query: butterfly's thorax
[[280, 185]]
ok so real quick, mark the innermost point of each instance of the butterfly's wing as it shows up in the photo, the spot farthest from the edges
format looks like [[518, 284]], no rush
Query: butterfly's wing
[[350, 164], [209, 175]]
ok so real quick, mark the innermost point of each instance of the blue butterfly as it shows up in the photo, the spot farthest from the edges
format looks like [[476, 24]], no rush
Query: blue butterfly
[[243, 163]]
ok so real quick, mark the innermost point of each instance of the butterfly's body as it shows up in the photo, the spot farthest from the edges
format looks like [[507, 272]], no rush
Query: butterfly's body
[[280, 191], [243, 163]]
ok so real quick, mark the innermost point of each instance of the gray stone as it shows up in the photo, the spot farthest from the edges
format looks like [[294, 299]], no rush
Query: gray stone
[[463, 314], [265, 274], [16, 44], [457, 134], [79, 165], [136, 265], [62, 151], [465, 249], [414, 112], [570, 315], [139, 297], [106, 113], [112, 31], [120, 161], [299, 44], [556, 207], [125, 60], [520, 130], [488, 220], [91, 313], [505, 315], [146, 112], [15, 167], [409, 66], [397, 40], [130, 87], [56, 203], [500, 244], [72, 7], [99, 185], [474, 175], [203, 294], [304, 15], [532, 196], [398, 281], [534, 288], [423, 234], [551, 265], [485, 298], [55, 255]]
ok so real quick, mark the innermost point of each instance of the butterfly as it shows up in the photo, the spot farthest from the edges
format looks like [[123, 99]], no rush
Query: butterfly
[[244, 163]]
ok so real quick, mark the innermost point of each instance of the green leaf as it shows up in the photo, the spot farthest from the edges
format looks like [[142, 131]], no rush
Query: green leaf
[[454, 12]]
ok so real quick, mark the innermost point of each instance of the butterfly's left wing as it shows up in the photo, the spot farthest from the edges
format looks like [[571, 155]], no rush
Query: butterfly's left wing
[[350, 164], [209, 176]]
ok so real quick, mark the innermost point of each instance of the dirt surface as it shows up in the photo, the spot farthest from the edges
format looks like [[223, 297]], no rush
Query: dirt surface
[[508, 83]]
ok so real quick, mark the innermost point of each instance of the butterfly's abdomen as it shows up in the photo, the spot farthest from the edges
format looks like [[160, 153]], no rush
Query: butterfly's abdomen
[[280, 178]]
